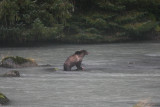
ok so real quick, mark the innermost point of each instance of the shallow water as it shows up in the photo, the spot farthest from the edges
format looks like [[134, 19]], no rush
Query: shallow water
[[116, 75]]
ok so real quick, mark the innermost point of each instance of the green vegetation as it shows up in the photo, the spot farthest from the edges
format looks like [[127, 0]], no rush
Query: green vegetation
[[3, 99], [78, 21]]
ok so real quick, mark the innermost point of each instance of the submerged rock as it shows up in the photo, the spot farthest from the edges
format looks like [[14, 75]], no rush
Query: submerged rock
[[3, 99], [17, 62], [13, 73], [52, 69], [55, 69], [47, 65]]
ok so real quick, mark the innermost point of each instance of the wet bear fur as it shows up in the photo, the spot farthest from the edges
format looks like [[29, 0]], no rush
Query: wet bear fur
[[75, 60]]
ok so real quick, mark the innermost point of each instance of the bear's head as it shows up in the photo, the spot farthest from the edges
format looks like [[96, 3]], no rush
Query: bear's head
[[81, 52], [85, 52]]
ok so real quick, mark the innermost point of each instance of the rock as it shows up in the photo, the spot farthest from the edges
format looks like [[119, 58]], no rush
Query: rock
[[17, 62], [11, 74], [3, 99], [47, 65], [52, 69], [55, 69]]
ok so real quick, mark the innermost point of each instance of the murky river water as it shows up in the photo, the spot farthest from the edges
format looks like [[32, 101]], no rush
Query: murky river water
[[116, 75]]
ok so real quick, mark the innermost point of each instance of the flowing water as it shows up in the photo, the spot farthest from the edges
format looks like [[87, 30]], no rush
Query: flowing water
[[116, 75]]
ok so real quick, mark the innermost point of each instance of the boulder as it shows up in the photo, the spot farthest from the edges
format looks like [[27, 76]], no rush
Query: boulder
[[17, 62], [3, 99], [13, 73]]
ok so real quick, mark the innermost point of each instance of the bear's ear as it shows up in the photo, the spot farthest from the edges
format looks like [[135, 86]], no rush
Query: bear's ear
[[85, 52], [77, 52]]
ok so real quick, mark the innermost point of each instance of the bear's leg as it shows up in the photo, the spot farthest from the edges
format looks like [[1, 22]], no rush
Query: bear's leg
[[67, 68], [78, 65]]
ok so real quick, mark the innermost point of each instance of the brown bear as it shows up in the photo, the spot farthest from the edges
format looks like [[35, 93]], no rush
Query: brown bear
[[75, 60]]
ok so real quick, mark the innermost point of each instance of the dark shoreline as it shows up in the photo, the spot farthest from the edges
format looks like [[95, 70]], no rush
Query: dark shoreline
[[38, 44]]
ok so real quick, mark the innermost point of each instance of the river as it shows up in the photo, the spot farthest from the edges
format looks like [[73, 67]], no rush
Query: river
[[115, 75]]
